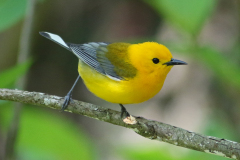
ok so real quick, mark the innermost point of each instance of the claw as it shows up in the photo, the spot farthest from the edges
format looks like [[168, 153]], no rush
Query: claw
[[126, 117], [68, 97], [124, 112], [67, 100]]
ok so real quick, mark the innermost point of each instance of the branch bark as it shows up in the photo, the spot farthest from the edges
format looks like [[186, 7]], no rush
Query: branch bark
[[147, 128]]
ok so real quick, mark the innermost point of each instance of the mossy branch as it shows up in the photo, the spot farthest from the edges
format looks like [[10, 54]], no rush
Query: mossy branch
[[147, 128]]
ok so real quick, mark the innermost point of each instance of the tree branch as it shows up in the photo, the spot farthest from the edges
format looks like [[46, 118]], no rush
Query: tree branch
[[147, 128]]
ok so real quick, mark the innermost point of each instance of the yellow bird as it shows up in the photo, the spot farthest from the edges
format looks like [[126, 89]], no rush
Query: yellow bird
[[120, 73]]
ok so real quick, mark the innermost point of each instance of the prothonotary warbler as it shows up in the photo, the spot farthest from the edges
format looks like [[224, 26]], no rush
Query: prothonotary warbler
[[120, 73]]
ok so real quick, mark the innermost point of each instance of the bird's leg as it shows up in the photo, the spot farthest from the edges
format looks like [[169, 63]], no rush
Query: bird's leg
[[124, 112], [126, 117], [68, 97]]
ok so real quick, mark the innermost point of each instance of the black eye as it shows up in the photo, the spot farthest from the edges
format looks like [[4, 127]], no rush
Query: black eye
[[155, 60]]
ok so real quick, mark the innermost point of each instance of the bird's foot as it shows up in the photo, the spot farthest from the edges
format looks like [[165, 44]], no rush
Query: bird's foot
[[124, 113], [126, 117], [67, 100]]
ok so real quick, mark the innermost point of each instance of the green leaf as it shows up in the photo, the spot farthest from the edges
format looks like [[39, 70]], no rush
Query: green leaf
[[220, 126], [2, 102], [168, 152], [143, 153], [9, 76], [46, 135], [224, 68], [11, 11], [189, 15]]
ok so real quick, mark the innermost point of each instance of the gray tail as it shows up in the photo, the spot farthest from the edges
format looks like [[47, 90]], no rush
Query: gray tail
[[55, 38]]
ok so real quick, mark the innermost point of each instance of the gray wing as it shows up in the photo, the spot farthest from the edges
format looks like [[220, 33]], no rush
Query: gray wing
[[93, 54], [90, 53]]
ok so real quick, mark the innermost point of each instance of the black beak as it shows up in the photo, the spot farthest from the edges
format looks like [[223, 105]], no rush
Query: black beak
[[175, 62]]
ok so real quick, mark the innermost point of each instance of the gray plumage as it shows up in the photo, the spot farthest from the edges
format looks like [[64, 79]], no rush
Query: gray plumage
[[93, 54]]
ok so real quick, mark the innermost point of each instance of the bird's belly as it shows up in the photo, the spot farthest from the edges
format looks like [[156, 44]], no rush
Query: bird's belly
[[124, 92]]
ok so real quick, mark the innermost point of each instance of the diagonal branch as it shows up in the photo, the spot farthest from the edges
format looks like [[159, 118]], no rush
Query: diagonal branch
[[147, 128]]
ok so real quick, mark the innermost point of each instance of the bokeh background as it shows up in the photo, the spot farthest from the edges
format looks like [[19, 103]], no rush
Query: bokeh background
[[203, 96]]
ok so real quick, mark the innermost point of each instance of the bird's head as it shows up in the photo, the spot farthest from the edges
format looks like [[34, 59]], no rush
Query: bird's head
[[151, 57]]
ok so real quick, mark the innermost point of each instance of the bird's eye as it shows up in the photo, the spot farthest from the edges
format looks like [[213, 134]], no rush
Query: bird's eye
[[155, 60]]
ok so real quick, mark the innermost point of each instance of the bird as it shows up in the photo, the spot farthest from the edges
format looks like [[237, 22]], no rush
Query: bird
[[119, 72]]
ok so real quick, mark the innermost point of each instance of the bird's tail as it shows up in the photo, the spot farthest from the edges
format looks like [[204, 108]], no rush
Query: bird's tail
[[55, 38]]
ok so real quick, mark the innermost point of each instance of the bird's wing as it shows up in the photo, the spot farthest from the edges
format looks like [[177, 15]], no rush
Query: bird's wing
[[93, 55], [88, 53]]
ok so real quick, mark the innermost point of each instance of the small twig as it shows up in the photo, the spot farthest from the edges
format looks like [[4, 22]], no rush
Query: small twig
[[147, 128]]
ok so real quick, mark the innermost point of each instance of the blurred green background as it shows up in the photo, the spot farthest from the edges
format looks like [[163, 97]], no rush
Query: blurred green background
[[202, 96]]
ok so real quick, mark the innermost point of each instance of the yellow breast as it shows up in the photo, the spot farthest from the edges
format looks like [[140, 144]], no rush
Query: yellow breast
[[136, 90]]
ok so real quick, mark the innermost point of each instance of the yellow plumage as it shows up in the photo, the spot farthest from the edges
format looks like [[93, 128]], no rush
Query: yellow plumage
[[121, 73], [142, 82]]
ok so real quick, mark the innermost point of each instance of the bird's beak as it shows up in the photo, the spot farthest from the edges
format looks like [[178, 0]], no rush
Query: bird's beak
[[175, 62]]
